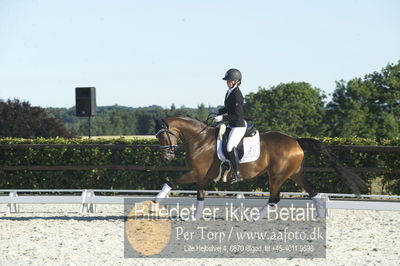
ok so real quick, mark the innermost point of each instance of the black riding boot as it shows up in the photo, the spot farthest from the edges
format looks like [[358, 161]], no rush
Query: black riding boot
[[233, 157]]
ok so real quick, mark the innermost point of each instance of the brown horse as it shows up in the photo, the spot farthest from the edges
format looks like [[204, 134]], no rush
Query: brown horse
[[281, 157]]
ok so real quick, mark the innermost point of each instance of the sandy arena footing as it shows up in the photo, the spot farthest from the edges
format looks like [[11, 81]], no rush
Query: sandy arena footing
[[49, 234]]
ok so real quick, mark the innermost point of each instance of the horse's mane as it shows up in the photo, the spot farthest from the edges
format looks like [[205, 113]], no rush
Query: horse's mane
[[188, 118]]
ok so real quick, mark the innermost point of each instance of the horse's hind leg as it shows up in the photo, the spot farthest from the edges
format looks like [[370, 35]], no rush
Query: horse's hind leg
[[275, 183], [304, 184], [275, 188], [277, 176], [310, 189]]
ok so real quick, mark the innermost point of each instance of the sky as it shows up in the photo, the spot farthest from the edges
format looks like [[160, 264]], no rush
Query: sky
[[141, 53]]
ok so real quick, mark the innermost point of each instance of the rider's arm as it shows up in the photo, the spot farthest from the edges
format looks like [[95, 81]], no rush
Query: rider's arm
[[222, 110]]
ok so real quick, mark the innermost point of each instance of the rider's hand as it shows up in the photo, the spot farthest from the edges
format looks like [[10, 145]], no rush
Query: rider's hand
[[218, 118]]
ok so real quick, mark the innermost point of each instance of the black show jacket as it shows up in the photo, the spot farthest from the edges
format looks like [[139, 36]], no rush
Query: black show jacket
[[234, 107]]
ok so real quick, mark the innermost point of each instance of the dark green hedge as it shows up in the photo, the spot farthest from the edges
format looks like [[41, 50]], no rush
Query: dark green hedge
[[121, 179]]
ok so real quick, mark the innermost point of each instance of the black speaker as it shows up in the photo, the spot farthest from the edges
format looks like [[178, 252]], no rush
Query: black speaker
[[85, 101]]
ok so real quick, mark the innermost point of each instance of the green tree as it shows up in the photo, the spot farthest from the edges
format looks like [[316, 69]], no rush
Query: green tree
[[368, 107], [294, 108], [172, 110], [117, 123], [145, 123], [20, 119], [202, 112]]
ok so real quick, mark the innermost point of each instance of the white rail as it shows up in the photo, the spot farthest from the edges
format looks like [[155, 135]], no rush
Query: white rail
[[88, 199]]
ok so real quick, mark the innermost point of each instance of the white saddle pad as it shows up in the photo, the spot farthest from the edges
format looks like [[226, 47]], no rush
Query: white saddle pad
[[251, 146]]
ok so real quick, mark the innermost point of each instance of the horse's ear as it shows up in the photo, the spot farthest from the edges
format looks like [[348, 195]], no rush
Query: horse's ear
[[164, 124], [157, 122], [160, 123]]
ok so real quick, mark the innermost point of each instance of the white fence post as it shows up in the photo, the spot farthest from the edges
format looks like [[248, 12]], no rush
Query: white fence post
[[328, 212], [87, 207], [91, 206], [10, 205]]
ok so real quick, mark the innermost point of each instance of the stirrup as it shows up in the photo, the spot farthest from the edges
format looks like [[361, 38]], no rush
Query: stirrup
[[235, 178]]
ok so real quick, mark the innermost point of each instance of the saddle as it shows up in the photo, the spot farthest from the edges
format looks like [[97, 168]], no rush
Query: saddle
[[223, 133]]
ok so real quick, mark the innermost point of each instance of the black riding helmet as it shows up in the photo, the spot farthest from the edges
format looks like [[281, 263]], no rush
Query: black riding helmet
[[233, 74]]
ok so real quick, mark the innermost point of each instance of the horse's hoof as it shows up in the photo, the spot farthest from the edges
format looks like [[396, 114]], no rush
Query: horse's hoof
[[157, 200], [233, 181]]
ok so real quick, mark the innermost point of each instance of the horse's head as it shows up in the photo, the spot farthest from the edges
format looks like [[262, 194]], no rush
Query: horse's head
[[168, 139]]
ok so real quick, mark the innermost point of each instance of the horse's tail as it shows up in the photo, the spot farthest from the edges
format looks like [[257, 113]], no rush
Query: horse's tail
[[355, 183]]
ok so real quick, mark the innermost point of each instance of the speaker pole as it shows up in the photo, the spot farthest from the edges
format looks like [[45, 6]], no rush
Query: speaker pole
[[90, 126]]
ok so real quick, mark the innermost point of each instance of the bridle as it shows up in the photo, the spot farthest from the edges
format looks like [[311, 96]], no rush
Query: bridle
[[165, 128], [169, 148]]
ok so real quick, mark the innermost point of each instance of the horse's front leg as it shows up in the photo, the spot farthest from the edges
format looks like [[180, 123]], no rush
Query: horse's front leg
[[200, 200], [187, 178]]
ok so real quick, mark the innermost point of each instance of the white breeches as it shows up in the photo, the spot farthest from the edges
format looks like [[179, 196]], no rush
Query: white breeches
[[235, 136]]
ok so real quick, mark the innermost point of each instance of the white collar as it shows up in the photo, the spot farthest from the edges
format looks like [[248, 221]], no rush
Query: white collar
[[230, 90]]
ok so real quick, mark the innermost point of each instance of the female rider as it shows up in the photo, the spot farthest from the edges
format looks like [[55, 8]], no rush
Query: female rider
[[233, 106]]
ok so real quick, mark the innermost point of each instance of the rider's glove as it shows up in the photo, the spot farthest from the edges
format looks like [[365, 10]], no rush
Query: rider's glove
[[218, 118]]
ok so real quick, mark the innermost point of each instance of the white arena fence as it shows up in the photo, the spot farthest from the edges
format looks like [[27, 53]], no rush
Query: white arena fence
[[87, 199]]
